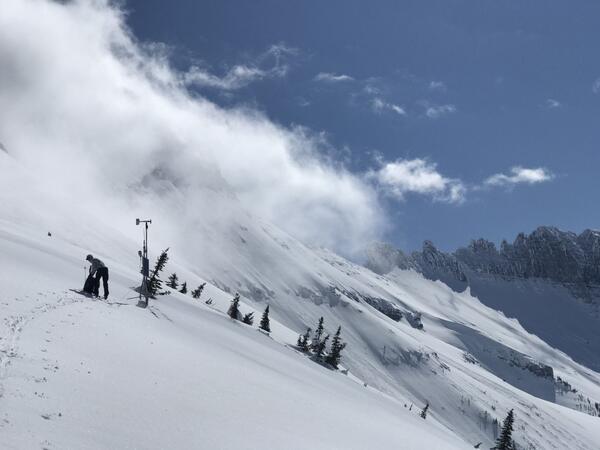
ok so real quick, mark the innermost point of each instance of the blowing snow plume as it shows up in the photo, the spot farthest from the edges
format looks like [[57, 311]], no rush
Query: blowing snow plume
[[93, 117]]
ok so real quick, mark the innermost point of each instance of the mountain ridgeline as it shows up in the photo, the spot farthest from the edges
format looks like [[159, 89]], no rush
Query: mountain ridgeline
[[548, 280], [546, 253]]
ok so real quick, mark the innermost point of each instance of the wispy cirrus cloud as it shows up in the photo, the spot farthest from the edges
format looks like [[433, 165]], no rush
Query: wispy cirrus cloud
[[552, 103], [379, 105], [417, 176], [241, 75], [437, 111], [437, 86], [596, 86], [332, 77], [520, 175]]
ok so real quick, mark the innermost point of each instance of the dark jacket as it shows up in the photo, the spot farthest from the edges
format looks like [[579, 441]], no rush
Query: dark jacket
[[96, 264]]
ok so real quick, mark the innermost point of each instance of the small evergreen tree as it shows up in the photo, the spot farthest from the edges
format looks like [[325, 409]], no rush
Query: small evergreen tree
[[303, 341], [248, 319], [154, 282], [337, 346], [424, 412], [320, 348], [173, 281], [316, 341], [234, 308], [505, 441], [196, 293], [265, 323], [183, 289]]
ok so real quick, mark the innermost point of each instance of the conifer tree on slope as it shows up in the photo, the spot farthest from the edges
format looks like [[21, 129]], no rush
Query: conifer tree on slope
[[173, 281], [320, 348], [318, 335], [505, 441], [337, 346], [234, 308], [424, 412], [183, 289], [265, 323], [196, 293], [154, 282], [248, 319]]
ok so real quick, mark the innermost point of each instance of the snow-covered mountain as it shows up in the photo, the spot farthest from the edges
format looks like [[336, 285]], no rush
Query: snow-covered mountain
[[411, 341], [548, 280], [109, 134]]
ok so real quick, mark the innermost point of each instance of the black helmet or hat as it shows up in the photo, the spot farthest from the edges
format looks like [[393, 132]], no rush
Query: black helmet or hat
[[89, 257]]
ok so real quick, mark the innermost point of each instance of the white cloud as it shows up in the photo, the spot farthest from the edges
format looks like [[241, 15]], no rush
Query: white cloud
[[236, 78], [111, 127], [418, 176], [371, 89], [242, 75], [437, 86], [552, 103], [596, 86], [437, 111], [332, 77], [519, 175], [379, 105]]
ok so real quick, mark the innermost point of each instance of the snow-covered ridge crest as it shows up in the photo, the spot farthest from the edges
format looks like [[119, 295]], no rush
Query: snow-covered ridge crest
[[549, 280]]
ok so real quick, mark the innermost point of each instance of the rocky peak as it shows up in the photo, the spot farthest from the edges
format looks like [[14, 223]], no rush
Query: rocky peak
[[435, 263], [547, 252]]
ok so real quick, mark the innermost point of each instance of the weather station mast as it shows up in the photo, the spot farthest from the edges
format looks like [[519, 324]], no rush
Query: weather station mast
[[145, 265]]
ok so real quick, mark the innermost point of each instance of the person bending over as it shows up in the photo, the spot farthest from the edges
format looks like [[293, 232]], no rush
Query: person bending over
[[99, 269]]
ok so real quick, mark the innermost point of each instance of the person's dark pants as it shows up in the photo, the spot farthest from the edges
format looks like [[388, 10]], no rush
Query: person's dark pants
[[102, 272]]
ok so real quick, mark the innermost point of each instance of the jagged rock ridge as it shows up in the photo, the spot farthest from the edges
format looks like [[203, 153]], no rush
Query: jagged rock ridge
[[547, 253]]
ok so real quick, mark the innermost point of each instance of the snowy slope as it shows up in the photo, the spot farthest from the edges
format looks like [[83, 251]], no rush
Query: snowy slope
[[77, 373], [469, 362]]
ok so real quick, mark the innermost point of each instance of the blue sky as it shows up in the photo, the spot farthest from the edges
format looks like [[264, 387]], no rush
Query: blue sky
[[474, 118]]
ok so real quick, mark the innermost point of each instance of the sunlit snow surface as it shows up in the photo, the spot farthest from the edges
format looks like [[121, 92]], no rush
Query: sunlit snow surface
[[78, 373]]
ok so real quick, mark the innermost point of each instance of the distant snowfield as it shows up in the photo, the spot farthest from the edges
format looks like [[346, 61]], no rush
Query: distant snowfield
[[78, 373]]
